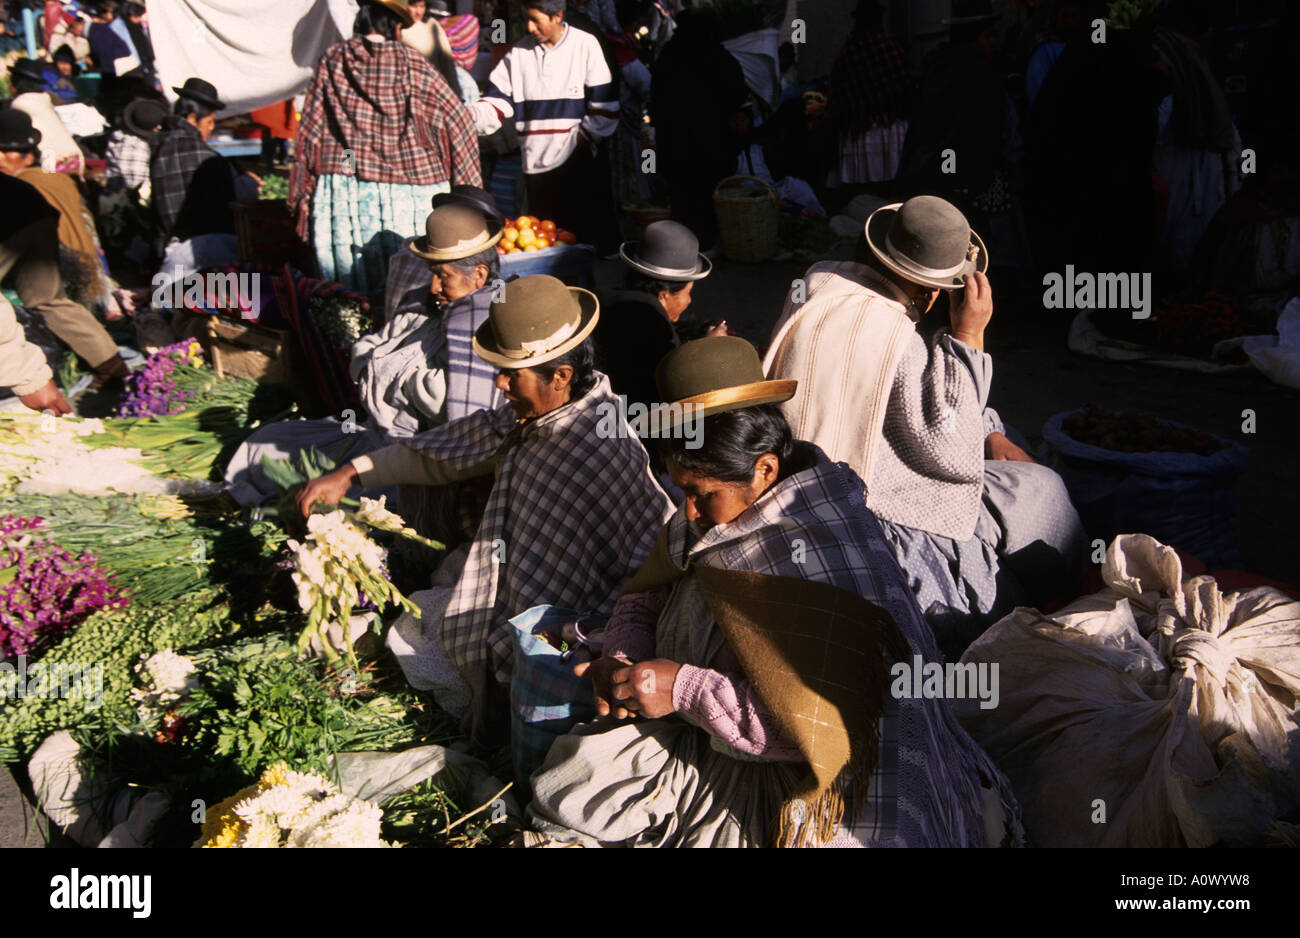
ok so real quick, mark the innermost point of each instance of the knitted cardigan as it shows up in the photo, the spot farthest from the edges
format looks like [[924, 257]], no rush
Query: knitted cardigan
[[905, 412]]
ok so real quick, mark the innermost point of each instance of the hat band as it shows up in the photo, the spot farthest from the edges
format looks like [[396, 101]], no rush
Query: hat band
[[540, 346], [912, 267], [658, 271]]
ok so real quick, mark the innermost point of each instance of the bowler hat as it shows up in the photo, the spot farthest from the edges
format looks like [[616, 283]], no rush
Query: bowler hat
[[713, 375], [472, 196], [17, 135], [456, 231], [438, 8], [668, 251], [926, 240], [28, 68], [204, 92], [539, 320], [401, 7], [143, 116]]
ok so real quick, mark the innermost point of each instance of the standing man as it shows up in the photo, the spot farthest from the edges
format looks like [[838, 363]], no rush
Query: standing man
[[556, 87]]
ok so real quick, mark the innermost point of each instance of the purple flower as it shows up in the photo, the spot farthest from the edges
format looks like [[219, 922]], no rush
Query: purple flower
[[50, 593]]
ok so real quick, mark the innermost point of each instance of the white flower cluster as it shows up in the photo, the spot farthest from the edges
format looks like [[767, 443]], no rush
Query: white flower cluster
[[305, 810], [167, 678], [326, 563], [375, 513], [46, 456]]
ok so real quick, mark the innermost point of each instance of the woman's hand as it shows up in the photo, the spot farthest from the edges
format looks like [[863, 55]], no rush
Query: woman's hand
[[329, 489], [718, 328], [646, 687], [997, 446], [972, 312], [601, 669]]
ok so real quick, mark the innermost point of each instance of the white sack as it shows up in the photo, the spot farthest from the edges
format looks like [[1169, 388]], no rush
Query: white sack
[[1160, 701]]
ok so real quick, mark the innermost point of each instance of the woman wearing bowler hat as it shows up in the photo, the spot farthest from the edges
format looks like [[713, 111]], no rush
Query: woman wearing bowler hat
[[638, 326], [571, 512], [757, 671], [418, 371], [961, 502]]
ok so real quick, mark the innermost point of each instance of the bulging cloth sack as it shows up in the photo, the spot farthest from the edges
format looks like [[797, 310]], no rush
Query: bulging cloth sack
[[1159, 712]]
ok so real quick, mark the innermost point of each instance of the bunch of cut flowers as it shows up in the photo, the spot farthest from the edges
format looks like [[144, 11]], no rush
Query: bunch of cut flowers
[[44, 590], [292, 809], [338, 569], [152, 390], [342, 319]]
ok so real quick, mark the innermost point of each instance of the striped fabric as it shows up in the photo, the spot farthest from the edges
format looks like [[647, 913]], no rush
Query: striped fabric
[[462, 35], [551, 94]]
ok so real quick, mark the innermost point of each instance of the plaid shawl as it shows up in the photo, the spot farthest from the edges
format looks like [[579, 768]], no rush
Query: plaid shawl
[[570, 517], [870, 82], [192, 186], [381, 113], [814, 526]]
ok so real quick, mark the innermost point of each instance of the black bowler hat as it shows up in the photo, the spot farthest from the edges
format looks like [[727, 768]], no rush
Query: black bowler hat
[[204, 92], [27, 68], [669, 251], [17, 135], [143, 115], [471, 197]]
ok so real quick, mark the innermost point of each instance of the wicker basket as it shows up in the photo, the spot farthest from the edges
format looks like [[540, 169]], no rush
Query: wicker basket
[[242, 349], [748, 218], [638, 217]]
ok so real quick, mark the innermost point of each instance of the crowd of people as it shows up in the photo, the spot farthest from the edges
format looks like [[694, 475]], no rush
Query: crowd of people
[[849, 501]]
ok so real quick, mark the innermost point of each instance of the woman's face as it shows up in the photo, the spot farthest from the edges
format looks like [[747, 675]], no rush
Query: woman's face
[[675, 304], [417, 8], [531, 396], [711, 502], [65, 68], [449, 284]]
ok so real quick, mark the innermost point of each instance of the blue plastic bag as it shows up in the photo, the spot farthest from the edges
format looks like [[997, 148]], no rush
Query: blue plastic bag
[[546, 698], [1181, 499]]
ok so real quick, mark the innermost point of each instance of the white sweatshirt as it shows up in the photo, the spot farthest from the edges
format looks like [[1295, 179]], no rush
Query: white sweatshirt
[[551, 94]]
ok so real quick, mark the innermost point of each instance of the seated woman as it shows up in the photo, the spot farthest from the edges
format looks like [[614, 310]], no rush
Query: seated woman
[[640, 323], [415, 373], [571, 511], [976, 524], [754, 647]]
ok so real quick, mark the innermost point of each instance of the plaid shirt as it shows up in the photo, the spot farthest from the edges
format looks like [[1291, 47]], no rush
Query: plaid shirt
[[191, 185], [128, 158], [383, 114], [814, 525], [870, 82], [572, 514]]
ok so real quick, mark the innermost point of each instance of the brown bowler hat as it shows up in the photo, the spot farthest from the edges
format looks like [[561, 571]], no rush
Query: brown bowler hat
[[714, 375], [540, 320], [454, 231], [401, 7]]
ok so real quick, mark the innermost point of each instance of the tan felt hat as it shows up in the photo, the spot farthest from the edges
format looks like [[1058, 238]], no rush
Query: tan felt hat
[[456, 231], [539, 320]]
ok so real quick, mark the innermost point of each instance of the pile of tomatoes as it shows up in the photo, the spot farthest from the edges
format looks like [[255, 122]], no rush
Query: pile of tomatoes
[[528, 233]]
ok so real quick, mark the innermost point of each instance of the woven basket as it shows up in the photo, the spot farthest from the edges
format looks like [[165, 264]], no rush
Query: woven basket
[[748, 217], [638, 217], [242, 349]]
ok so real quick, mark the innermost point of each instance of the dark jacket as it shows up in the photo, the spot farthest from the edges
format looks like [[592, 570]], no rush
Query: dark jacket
[[106, 47], [23, 206], [192, 184], [632, 336]]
